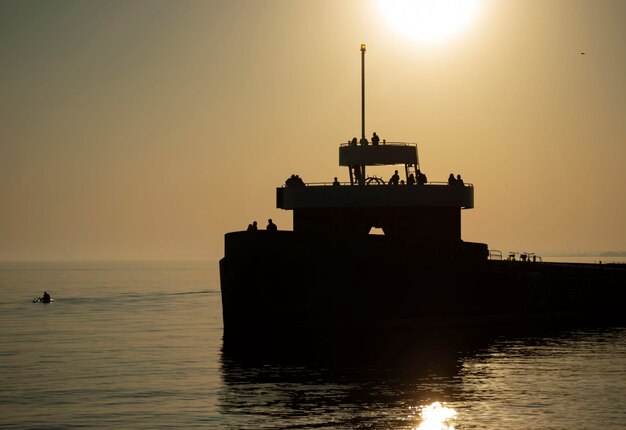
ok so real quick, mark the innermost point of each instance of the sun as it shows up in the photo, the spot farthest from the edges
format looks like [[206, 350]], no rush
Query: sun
[[429, 21]]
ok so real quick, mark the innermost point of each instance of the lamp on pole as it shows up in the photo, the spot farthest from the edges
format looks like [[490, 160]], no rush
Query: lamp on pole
[[363, 91]]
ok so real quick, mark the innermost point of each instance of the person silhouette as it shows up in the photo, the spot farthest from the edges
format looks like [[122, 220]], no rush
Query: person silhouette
[[395, 179], [271, 226], [421, 177], [459, 181], [451, 180], [357, 173], [375, 139], [253, 226], [336, 182], [46, 297]]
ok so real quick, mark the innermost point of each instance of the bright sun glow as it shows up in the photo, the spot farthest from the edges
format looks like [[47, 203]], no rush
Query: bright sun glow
[[437, 417], [429, 21]]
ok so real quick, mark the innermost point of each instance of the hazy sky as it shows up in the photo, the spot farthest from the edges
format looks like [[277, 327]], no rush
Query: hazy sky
[[148, 129]]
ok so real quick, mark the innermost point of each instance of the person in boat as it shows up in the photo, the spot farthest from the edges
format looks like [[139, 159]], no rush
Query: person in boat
[[451, 179], [45, 298], [253, 226], [411, 179], [271, 226], [459, 181], [375, 139], [395, 179], [336, 182]]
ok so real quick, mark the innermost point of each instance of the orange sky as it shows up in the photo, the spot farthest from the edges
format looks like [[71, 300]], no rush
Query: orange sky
[[149, 129]]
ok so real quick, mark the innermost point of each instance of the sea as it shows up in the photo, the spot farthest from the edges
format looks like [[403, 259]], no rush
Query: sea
[[138, 345]]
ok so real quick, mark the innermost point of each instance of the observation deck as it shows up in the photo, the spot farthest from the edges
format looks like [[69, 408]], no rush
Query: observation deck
[[373, 192]]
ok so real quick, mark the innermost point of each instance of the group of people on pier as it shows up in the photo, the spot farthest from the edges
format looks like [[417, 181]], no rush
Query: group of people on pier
[[418, 178], [375, 141], [294, 181], [270, 226], [455, 181]]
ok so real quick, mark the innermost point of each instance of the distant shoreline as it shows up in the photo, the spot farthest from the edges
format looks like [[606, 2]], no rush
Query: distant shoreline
[[621, 259], [587, 254], [551, 256]]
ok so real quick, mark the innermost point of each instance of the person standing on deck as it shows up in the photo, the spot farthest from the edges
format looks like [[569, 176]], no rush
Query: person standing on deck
[[395, 179]]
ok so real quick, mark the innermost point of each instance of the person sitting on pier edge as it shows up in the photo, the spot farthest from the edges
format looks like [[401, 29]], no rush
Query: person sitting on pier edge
[[451, 180], [364, 141], [253, 226], [353, 141], [271, 226], [459, 181], [395, 179], [410, 180], [421, 178], [336, 182], [375, 139]]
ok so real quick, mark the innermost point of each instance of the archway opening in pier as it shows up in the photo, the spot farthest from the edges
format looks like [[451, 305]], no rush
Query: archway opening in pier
[[376, 231]]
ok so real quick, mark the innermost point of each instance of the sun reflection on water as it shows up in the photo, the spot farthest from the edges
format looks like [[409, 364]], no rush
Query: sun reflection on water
[[436, 417]]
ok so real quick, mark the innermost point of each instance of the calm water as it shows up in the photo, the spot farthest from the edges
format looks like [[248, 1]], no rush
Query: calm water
[[138, 345]]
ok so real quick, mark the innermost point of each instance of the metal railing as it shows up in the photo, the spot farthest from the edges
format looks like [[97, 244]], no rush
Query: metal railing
[[529, 257], [381, 143], [344, 184]]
